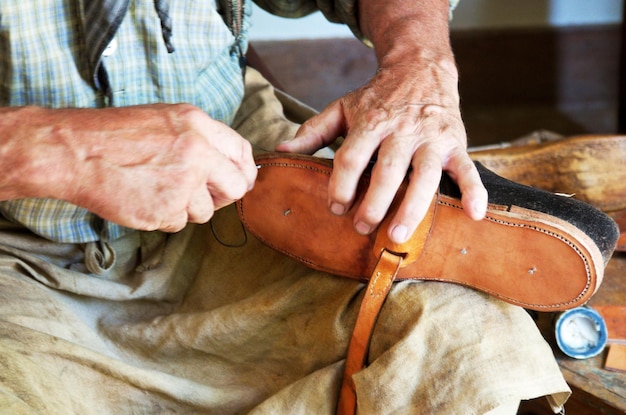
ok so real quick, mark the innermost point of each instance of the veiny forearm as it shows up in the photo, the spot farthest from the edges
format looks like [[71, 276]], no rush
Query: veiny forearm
[[148, 167], [55, 152], [412, 43], [404, 31], [36, 154]]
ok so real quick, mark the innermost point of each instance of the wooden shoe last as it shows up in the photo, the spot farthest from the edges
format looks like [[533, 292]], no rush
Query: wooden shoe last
[[591, 168]]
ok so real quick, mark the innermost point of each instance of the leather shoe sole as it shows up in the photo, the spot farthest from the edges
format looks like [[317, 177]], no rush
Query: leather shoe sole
[[535, 249]]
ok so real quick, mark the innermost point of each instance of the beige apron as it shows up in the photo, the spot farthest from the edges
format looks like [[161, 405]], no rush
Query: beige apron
[[210, 321]]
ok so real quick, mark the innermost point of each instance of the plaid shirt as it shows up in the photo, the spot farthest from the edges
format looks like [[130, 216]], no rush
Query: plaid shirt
[[43, 62]]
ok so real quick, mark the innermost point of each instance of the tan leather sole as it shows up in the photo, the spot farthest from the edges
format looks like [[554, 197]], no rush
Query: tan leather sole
[[590, 167], [521, 256]]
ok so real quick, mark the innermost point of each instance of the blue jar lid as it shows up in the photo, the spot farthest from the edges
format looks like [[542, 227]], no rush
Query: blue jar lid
[[581, 332]]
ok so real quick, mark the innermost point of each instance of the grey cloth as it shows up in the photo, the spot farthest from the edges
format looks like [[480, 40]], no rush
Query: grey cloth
[[211, 321], [102, 19], [163, 9]]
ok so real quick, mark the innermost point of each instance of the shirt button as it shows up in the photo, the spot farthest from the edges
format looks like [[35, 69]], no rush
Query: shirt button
[[111, 48]]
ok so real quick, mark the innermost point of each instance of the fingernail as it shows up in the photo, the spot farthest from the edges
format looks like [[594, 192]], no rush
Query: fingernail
[[337, 208], [478, 208], [399, 234], [363, 228]]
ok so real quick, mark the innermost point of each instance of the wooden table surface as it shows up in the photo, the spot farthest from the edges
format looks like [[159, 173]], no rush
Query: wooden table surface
[[599, 390]]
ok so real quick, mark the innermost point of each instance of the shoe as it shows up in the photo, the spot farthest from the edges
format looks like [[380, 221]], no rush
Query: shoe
[[535, 249], [592, 168]]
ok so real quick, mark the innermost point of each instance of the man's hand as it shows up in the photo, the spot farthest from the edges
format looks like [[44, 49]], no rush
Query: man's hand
[[149, 167], [407, 117]]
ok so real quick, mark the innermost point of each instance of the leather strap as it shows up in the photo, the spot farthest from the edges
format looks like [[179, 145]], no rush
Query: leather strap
[[377, 289], [290, 198]]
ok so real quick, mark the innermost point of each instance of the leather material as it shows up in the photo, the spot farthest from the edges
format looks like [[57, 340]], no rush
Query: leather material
[[412, 249], [521, 256], [377, 289]]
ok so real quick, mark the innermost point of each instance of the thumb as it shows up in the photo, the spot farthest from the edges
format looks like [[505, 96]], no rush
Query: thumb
[[318, 131]]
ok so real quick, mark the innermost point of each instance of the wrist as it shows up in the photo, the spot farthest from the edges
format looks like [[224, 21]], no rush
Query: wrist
[[34, 154], [419, 59], [399, 29]]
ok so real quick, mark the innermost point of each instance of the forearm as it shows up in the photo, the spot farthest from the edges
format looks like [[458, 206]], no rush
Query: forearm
[[34, 154], [148, 167], [408, 31], [412, 45]]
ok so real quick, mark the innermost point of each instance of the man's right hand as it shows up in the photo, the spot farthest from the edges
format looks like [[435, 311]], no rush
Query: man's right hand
[[148, 167]]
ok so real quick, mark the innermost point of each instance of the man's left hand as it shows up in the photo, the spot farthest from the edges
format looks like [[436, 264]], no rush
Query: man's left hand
[[408, 118]]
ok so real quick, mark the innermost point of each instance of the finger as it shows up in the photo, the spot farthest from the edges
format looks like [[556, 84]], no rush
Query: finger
[[423, 183], [174, 223], [388, 173], [200, 208], [225, 182], [239, 152], [227, 142], [474, 196], [318, 131], [247, 165], [350, 161]]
